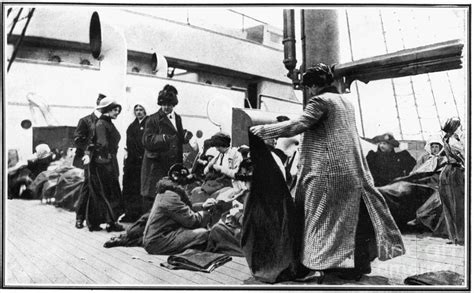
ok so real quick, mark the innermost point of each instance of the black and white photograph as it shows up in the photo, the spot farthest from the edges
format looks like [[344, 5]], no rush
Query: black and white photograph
[[236, 146]]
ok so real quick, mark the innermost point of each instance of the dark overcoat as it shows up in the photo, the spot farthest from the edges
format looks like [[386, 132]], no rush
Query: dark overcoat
[[104, 201], [333, 179], [163, 147], [385, 167], [83, 137], [133, 166]]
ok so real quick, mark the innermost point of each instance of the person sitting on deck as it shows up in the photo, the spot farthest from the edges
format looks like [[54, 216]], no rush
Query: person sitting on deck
[[133, 236], [226, 234], [202, 160], [434, 149], [385, 164], [173, 226], [24, 173], [220, 170]]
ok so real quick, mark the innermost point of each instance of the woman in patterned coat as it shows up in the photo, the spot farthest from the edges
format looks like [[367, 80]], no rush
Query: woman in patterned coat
[[335, 191]]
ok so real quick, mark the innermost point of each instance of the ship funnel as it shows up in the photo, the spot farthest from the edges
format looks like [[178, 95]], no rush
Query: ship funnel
[[159, 65], [108, 45]]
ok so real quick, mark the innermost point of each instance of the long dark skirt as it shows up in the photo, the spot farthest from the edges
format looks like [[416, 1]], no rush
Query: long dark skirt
[[131, 188], [451, 192], [103, 204]]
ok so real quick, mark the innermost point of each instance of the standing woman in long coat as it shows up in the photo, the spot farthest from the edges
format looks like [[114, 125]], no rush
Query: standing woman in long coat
[[103, 205], [133, 165], [347, 222], [451, 181]]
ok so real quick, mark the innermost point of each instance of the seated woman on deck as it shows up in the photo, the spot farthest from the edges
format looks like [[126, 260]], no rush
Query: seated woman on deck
[[220, 170], [23, 173], [225, 235], [173, 226], [133, 235]]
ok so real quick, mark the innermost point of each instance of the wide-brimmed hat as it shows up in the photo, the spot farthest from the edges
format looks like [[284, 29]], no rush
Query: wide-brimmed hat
[[107, 103], [386, 137]]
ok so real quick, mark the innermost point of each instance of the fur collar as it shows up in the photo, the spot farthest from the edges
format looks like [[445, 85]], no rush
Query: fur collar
[[167, 184]]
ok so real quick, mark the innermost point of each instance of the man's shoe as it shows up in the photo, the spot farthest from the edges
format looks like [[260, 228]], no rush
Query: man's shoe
[[79, 224]]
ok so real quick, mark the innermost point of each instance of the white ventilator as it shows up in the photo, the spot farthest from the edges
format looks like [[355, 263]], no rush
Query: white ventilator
[[159, 65], [108, 45]]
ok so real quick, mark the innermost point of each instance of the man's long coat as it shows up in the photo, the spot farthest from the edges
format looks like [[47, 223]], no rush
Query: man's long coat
[[163, 147]]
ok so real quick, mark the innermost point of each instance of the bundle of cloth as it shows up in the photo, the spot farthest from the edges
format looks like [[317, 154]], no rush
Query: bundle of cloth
[[414, 199], [68, 188]]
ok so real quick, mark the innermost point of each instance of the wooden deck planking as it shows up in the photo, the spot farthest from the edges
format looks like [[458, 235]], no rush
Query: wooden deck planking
[[102, 269], [71, 256], [88, 262], [96, 247], [216, 278], [39, 256], [59, 260], [34, 273], [19, 274]]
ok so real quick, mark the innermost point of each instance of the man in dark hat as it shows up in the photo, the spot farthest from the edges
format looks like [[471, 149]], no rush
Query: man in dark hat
[[163, 140], [82, 140], [385, 164]]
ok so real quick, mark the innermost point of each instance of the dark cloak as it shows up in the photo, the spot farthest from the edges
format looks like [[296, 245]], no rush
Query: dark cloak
[[269, 227]]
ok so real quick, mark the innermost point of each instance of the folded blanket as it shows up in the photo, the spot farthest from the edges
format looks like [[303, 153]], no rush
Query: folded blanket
[[435, 278], [195, 260]]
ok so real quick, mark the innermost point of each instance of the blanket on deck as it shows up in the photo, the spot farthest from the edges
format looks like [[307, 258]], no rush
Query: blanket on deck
[[195, 260]]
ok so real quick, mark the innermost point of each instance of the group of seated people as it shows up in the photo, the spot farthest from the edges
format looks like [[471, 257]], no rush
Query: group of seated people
[[37, 176], [202, 206], [200, 210], [412, 187]]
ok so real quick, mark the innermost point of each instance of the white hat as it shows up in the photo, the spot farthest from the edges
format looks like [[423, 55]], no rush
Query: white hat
[[42, 151], [107, 101], [431, 140]]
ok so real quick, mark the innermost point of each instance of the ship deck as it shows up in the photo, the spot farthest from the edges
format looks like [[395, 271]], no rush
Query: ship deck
[[43, 249]]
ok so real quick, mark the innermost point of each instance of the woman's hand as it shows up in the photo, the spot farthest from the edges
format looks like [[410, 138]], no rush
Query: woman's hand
[[257, 130]]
